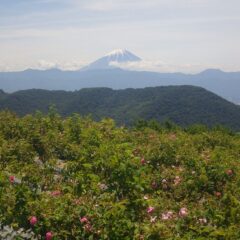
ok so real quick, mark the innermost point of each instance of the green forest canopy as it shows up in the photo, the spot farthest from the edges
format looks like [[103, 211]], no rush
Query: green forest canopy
[[183, 105]]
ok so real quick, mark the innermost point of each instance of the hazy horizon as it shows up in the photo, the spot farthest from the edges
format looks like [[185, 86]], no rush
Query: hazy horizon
[[169, 35]]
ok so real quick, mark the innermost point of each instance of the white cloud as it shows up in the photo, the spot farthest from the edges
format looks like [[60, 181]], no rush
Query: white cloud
[[71, 66], [43, 65], [161, 66]]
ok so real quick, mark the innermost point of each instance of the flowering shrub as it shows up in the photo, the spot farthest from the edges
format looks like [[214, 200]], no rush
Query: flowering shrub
[[75, 178]]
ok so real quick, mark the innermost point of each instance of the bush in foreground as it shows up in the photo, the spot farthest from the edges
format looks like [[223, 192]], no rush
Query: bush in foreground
[[79, 179]]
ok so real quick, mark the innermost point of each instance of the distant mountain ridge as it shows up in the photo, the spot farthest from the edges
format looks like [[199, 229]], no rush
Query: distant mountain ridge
[[225, 84], [105, 72], [184, 105]]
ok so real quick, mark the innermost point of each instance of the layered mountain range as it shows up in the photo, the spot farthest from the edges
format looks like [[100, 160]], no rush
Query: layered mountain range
[[105, 72]]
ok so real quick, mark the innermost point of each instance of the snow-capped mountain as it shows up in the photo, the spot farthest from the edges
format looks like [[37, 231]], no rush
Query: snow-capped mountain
[[111, 59]]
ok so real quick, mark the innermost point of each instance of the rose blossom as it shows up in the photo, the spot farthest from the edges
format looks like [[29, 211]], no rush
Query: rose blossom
[[56, 193], [150, 209], [49, 235], [183, 212], [11, 179], [167, 215], [83, 220], [33, 220]]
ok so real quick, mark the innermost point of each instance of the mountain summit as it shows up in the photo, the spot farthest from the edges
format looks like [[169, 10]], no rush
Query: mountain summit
[[122, 55], [116, 56]]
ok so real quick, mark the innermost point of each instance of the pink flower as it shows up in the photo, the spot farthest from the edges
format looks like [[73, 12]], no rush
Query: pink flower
[[143, 161], [33, 220], [183, 212], [150, 209], [84, 220], [11, 179], [87, 226], [49, 235], [167, 215], [229, 172], [56, 193]]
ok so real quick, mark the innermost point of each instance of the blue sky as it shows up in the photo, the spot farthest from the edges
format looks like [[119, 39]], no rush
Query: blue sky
[[170, 35]]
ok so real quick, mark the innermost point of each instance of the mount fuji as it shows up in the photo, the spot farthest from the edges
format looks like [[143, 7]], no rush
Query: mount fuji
[[111, 60]]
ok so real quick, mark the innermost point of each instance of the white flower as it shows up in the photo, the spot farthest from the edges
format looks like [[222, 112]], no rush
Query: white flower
[[153, 219], [202, 220], [167, 215]]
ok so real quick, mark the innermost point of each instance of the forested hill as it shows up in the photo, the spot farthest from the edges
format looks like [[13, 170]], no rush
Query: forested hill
[[184, 105]]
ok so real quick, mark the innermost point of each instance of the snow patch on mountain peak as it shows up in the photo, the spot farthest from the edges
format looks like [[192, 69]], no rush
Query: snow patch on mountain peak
[[117, 52], [116, 56]]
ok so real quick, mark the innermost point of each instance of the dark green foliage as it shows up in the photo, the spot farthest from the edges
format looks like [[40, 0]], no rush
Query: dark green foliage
[[183, 105], [68, 169]]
